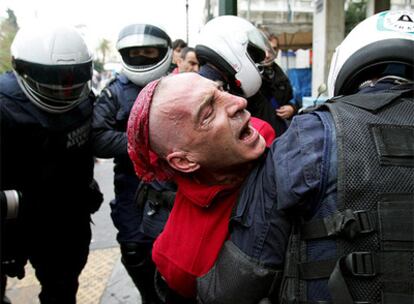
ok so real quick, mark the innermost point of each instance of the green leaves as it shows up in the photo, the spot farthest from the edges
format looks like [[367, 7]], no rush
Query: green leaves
[[8, 29]]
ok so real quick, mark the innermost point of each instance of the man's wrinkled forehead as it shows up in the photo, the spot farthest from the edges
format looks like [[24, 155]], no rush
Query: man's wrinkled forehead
[[182, 89]]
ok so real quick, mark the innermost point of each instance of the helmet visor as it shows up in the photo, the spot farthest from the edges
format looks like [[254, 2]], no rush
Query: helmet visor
[[259, 48], [142, 35], [58, 75], [143, 56], [58, 83], [60, 94]]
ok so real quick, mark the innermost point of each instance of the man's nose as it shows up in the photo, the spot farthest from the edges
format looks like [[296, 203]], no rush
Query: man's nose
[[236, 104]]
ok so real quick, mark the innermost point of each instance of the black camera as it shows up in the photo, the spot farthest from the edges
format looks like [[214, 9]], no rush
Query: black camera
[[10, 200]]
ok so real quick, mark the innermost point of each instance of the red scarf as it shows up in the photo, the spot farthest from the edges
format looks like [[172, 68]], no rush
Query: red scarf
[[147, 165], [197, 228]]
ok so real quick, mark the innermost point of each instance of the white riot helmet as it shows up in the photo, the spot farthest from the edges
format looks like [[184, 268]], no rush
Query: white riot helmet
[[237, 48], [53, 66], [380, 45], [146, 52]]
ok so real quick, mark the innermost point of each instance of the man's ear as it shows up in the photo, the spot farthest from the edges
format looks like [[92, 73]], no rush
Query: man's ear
[[182, 161]]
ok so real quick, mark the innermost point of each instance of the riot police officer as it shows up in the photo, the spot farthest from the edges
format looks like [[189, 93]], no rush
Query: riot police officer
[[340, 227], [46, 154], [146, 54]]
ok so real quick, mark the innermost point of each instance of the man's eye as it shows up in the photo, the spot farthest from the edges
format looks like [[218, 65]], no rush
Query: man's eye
[[207, 115]]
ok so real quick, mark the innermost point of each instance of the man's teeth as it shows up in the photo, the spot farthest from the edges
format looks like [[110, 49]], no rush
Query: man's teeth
[[245, 132]]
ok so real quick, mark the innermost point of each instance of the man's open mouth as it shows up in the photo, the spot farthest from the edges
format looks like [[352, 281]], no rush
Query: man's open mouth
[[247, 133]]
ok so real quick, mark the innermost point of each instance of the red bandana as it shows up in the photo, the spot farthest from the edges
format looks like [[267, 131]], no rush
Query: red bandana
[[146, 163]]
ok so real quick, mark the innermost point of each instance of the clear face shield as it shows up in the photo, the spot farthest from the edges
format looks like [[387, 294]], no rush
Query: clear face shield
[[260, 50]]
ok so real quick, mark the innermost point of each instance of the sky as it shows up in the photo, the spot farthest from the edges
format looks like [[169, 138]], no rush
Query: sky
[[104, 19]]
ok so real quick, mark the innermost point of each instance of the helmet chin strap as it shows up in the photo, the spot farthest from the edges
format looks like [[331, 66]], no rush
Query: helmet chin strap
[[397, 80]]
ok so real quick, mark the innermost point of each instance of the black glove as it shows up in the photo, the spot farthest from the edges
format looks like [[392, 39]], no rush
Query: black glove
[[13, 249], [14, 268]]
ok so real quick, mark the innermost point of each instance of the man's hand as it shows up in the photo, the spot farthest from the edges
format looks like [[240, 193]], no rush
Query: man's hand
[[285, 111]]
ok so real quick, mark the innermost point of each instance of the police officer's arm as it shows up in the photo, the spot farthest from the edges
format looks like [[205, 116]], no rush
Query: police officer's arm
[[249, 268], [108, 142], [299, 158]]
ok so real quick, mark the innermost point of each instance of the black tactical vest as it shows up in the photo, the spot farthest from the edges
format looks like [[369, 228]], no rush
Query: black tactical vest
[[372, 229]]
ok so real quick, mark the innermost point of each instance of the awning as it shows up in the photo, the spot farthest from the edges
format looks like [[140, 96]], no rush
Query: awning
[[294, 41], [292, 36]]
